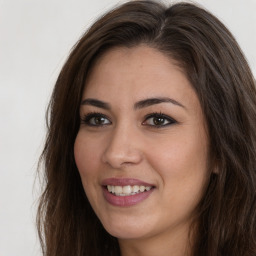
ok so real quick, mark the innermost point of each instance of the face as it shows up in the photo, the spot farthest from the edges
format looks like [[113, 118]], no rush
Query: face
[[142, 147]]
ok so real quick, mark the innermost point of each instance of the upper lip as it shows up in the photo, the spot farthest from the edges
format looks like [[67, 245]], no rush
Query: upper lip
[[124, 182]]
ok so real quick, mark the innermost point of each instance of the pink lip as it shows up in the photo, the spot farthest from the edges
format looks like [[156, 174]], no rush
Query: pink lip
[[125, 201]]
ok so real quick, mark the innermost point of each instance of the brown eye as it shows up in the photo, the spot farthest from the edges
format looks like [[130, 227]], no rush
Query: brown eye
[[96, 119], [158, 120]]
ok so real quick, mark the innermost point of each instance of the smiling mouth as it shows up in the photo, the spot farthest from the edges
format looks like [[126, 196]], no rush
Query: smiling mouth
[[128, 190]]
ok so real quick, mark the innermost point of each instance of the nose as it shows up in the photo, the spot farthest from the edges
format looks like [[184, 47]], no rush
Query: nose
[[123, 148]]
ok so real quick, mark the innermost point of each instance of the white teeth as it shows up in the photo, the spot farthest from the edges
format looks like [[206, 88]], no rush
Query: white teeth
[[127, 190], [136, 188], [142, 188], [117, 190]]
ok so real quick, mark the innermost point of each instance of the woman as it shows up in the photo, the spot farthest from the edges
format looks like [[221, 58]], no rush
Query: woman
[[151, 139]]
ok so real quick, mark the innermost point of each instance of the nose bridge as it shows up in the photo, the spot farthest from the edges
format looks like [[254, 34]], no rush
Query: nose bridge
[[123, 146]]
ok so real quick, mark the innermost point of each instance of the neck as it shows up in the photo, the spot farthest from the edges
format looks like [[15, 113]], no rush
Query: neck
[[174, 243]]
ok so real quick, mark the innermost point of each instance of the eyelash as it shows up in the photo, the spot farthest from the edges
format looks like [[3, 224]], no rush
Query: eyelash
[[162, 116], [88, 117]]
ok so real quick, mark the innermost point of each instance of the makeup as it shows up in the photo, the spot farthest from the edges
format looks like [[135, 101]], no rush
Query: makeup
[[126, 192]]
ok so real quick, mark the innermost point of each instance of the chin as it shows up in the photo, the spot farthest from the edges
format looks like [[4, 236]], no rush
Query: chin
[[126, 231], [127, 234]]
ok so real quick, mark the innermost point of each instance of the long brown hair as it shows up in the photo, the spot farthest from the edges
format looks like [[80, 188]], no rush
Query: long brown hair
[[219, 73]]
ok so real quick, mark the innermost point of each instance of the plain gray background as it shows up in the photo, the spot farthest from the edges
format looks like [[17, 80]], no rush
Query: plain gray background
[[35, 39]]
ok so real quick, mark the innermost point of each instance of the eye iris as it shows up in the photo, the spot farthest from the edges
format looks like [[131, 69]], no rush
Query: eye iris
[[158, 120], [99, 120]]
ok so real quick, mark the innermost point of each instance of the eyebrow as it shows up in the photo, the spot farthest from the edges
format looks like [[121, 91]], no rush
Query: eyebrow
[[96, 103], [138, 105], [152, 101]]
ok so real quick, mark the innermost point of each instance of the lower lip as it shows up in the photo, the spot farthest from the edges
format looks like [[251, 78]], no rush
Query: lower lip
[[125, 200]]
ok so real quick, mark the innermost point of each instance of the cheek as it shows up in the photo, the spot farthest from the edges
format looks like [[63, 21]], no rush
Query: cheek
[[180, 153], [181, 163], [182, 167], [87, 157]]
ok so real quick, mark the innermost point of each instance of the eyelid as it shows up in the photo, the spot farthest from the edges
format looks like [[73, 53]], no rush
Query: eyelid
[[87, 117], [170, 120]]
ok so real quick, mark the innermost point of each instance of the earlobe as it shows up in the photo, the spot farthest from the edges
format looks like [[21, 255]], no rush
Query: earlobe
[[215, 167], [215, 171], [213, 164]]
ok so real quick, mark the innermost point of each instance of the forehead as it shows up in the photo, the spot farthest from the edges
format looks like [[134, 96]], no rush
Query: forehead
[[136, 73]]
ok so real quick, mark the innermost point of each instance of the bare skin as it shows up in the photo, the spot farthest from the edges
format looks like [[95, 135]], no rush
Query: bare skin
[[164, 144]]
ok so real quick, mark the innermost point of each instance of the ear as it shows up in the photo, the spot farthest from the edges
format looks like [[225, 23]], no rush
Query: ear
[[215, 166], [215, 170]]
